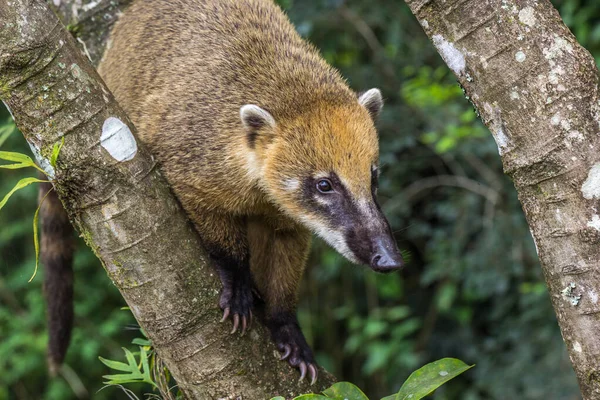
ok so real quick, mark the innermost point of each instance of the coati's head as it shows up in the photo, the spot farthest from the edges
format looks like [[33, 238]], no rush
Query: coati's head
[[321, 169]]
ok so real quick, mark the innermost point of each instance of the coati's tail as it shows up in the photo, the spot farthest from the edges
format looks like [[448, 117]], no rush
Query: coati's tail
[[57, 257]]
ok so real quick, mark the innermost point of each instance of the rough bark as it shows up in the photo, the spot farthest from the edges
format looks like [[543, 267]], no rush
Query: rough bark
[[126, 213], [536, 89]]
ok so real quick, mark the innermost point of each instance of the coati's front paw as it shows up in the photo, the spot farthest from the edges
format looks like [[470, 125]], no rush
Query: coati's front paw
[[237, 302], [290, 341]]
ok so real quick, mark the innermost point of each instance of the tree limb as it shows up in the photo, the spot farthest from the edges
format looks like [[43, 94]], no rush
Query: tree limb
[[537, 90]]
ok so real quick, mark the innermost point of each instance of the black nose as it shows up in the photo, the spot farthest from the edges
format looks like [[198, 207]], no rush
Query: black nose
[[387, 257]]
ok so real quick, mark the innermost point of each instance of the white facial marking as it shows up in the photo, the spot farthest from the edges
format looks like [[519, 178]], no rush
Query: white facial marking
[[118, 140], [252, 166], [334, 238], [291, 184]]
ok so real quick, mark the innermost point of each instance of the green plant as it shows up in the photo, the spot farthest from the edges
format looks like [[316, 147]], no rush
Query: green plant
[[148, 370], [19, 161], [419, 384]]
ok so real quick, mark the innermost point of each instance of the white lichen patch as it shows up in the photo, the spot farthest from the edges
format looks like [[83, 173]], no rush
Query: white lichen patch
[[118, 140], [569, 294], [501, 139], [594, 222], [527, 16], [425, 24], [577, 347], [558, 216], [591, 186], [520, 56], [514, 95], [497, 127], [451, 55], [576, 135], [558, 47], [593, 296], [42, 162], [555, 120]]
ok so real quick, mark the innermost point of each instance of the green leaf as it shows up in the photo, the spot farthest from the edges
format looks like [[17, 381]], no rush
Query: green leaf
[[428, 378], [20, 185], [116, 365], [22, 160], [278, 398], [14, 166], [312, 397], [56, 151], [346, 391], [36, 238], [141, 342], [136, 373], [18, 157]]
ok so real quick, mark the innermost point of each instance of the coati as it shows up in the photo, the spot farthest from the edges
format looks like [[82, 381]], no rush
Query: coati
[[262, 142]]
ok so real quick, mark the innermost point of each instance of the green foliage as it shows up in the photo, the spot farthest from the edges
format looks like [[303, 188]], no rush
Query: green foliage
[[419, 384], [135, 373], [149, 370], [427, 379], [56, 151], [20, 161]]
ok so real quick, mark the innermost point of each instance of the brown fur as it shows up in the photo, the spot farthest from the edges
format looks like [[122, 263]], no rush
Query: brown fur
[[182, 69], [203, 60]]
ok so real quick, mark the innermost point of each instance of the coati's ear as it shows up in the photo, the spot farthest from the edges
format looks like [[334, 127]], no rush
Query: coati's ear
[[254, 119], [372, 101]]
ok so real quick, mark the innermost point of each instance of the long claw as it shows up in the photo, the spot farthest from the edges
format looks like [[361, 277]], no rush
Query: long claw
[[244, 324], [225, 314], [250, 321], [314, 373], [236, 322], [288, 351], [302, 371]]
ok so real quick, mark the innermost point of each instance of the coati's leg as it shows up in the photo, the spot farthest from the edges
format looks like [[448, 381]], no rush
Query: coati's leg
[[278, 256], [224, 237]]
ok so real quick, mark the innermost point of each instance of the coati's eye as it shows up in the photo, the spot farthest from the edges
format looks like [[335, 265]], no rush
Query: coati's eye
[[324, 186]]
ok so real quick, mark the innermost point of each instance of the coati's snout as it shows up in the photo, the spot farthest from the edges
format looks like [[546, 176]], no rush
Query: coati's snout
[[370, 238], [375, 247]]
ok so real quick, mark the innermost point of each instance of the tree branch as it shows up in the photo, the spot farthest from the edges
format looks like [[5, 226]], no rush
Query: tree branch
[[537, 90], [123, 208]]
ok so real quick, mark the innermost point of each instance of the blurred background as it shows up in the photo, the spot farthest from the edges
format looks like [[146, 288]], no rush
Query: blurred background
[[473, 288]]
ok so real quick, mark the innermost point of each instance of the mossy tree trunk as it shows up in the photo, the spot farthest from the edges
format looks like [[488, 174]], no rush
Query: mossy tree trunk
[[123, 207], [536, 89]]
